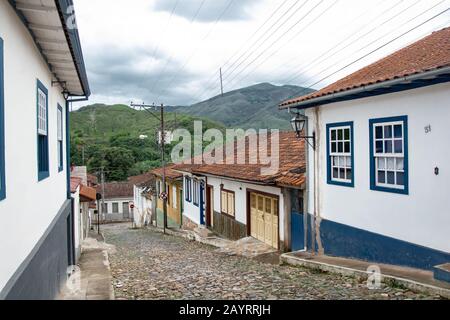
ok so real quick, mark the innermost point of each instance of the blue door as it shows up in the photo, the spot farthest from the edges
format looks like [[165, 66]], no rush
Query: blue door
[[297, 231], [202, 203]]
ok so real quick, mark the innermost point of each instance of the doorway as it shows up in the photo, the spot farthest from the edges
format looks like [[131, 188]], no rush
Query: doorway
[[210, 206]]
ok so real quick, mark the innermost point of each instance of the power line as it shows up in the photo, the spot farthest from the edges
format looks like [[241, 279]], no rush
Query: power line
[[378, 48], [384, 45], [295, 35], [372, 30], [325, 55], [230, 3], [208, 86], [253, 50], [171, 56]]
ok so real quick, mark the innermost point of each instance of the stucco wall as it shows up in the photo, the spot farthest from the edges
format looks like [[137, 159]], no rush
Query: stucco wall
[[30, 206], [423, 216]]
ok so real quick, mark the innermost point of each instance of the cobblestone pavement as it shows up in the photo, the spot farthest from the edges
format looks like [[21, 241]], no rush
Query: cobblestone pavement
[[150, 265]]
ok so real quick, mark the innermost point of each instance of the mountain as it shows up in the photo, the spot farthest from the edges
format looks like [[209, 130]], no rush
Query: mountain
[[109, 137], [251, 107]]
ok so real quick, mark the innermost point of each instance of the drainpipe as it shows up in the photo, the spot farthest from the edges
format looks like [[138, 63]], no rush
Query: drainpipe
[[68, 164], [317, 218]]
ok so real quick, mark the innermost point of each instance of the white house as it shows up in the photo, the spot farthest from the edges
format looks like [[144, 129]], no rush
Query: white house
[[143, 190], [82, 196], [118, 196], [41, 72], [238, 201], [379, 178]]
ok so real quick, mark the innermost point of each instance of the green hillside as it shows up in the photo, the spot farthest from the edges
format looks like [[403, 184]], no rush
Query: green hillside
[[109, 137], [251, 107]]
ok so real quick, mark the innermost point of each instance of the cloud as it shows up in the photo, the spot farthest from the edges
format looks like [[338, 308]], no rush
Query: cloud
[[210, 11], [135, 74]]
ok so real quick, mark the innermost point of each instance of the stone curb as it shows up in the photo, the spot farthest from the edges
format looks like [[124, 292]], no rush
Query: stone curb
[[387, 279]]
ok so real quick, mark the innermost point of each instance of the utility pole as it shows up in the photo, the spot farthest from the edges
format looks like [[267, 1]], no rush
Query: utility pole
[[148, 108], [103, 197], [221, 82]]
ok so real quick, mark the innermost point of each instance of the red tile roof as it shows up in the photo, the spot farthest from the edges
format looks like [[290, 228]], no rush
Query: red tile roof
[[143, 179], [427, 54], [291, 167], [74, 184], [88, 194], [117, 190], [170, 173]]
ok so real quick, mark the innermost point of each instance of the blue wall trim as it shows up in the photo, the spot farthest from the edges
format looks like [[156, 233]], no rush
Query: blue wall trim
[[329, 173], [60, 152], [2, 127], [42, 174], [373, 185], [69, 196]]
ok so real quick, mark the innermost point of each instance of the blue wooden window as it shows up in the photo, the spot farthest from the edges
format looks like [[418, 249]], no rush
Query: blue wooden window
[[2, 128], [188, 188], [389, 155], [42, 131], [196, 192], [340, 154], [60, 135]]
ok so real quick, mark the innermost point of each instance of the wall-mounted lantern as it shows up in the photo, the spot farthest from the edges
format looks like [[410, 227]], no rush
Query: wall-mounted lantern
[[298, 124]]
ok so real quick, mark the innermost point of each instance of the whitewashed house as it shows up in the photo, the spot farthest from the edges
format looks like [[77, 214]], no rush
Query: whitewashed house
[[379, 178], [82, 196], [118, 197], [143, 190], [238, 201], [41, 72]]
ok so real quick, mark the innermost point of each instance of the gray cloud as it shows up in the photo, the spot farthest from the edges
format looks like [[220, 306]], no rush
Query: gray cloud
[[239, 10], [133, 73]]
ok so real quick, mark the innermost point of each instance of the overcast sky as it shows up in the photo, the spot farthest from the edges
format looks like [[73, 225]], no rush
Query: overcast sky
[[170, 51]]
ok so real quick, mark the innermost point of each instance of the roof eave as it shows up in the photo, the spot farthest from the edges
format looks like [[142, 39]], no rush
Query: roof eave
[[418, 80]]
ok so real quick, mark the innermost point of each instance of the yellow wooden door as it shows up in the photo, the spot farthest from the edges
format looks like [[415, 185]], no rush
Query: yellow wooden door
[[261, 223], [275, 224], [254, 215], [268, 221]]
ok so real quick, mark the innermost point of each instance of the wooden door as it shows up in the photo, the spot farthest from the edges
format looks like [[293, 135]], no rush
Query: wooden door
[[209, 208], [260, 223], [254, 215]]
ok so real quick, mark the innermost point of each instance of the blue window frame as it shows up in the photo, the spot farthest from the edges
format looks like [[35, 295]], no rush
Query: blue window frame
[[2, 128], [389, 155], [42, 131], [188, 188], [340, 154], [196, 193], [60, 135]]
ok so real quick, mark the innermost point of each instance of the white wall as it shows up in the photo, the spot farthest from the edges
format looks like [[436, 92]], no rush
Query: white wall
[[78, 220], [30, 206], [193, 212], [120, 201], [240, 189], [143, 206], [423, 216]]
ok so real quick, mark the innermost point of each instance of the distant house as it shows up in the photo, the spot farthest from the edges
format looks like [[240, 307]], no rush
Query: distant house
[[143, 190], [238, 201], [380, 175], [82, 196], [41, 72], [174, 193], [115, 207]]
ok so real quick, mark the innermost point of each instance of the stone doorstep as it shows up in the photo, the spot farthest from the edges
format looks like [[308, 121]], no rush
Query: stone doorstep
[[415, 283], [442, 272]]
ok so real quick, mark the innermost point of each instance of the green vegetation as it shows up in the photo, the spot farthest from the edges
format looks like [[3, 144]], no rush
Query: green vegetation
[[109, 137], [252, 107]]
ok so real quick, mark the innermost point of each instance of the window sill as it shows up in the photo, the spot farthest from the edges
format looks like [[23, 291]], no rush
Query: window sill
[[43, 175], [341, 184], [390, 190]]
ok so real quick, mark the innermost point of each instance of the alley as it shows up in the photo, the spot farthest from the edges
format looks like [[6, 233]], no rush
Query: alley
[[149, 265]]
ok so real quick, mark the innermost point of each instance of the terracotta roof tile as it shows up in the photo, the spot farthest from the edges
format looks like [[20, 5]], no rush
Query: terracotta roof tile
[[170, 173], [427, 54], [117, 190], [74, 184], [291, 166]]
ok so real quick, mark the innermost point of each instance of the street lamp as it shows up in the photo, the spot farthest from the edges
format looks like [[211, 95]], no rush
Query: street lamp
[[298, 124], [66, 94]]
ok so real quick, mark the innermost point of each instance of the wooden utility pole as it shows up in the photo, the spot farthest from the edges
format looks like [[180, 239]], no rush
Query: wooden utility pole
[[103, 198], [148, 108], [221, 82]]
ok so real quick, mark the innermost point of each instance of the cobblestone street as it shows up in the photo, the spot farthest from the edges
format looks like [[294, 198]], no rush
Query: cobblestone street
[[149, 265]]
